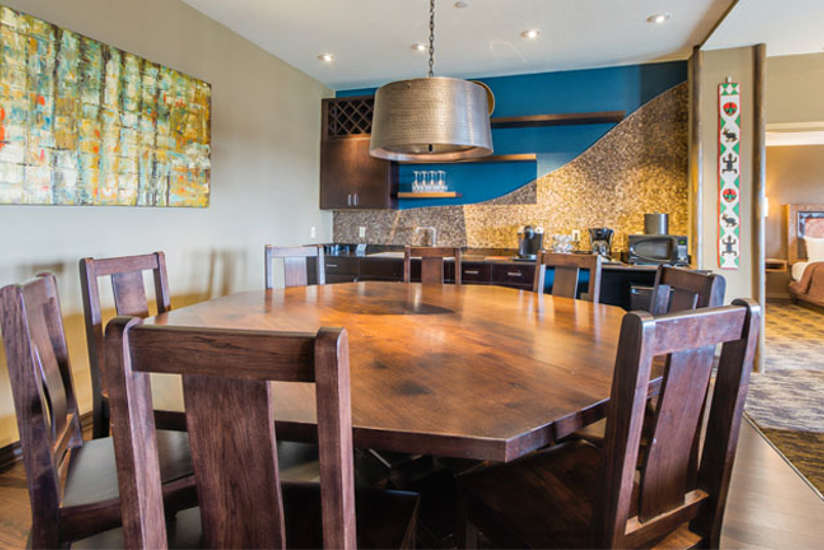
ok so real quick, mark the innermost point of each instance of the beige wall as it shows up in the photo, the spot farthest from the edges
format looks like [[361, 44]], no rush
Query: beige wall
[[795, 174], [794, 88], [718, 64], [265, 163]]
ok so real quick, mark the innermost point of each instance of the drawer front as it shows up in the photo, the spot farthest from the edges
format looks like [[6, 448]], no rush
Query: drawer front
[[341, 265], [518, 276], [338, 278], [373, 269], [476, 273]]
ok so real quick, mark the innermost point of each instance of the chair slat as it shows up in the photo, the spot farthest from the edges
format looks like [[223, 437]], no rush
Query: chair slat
[[432, 263], [567, 269], [295, 265]]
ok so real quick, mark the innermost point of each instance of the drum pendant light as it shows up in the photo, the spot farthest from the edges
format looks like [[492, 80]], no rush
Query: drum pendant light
[[433, 119]]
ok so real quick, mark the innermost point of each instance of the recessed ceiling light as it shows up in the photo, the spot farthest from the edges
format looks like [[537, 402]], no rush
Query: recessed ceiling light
[[326, 57], [418, 47], [531, 34], [460, 4], [659, 18]]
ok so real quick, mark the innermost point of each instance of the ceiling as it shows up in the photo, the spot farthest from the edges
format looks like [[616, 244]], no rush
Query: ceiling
[[788, 27], [371, 39]]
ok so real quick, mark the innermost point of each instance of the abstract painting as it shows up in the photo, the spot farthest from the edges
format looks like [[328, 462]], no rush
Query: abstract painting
[[83, 123]]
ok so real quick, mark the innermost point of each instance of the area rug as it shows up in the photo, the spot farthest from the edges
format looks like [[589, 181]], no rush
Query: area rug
[[786, 402]]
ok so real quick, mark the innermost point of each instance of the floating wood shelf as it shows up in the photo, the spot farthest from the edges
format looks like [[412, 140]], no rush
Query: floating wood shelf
[[520, 157], [429, 195], [558, 119]]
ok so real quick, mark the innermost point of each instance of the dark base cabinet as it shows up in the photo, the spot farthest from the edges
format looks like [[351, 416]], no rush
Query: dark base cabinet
[[621, 286]]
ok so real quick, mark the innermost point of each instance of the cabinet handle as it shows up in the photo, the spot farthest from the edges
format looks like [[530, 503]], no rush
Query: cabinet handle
[[331, 265], [471, 272], [514, 273]]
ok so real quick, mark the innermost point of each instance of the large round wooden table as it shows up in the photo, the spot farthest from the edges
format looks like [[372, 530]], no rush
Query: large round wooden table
[[472, 371]]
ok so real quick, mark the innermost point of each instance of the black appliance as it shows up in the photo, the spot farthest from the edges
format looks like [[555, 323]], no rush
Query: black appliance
[[530, 241], [657, 250], [601, 240]]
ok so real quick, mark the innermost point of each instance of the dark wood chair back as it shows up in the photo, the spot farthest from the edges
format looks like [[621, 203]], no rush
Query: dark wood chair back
[[295, 262], [674, 488], [129, 299], [230, 419], [432, 261], [679, 289], [567, 269], [41, 382]]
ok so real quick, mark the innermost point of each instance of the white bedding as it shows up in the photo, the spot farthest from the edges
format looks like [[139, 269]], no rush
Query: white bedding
[[797, 270]]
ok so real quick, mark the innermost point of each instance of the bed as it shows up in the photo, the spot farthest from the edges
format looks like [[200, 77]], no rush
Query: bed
[[805, 222]]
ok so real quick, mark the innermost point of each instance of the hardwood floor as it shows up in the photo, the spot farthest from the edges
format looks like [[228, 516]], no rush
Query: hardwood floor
[[770, 505]]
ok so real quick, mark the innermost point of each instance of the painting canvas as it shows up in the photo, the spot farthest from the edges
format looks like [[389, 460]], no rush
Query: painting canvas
[[83, 123]]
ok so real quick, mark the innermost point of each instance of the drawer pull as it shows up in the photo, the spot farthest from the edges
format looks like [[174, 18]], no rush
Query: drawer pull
[[514, 273], [472, 272], [332, 265]]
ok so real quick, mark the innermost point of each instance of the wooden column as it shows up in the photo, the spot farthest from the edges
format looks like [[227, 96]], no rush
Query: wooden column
[[696, 158], [759, 178]]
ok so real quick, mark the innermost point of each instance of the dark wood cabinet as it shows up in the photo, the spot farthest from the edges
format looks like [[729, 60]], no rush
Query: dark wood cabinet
[[349, 177], [516, 276], [476, 272]]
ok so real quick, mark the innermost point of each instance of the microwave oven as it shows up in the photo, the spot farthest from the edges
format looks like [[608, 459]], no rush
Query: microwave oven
[[657, 250]]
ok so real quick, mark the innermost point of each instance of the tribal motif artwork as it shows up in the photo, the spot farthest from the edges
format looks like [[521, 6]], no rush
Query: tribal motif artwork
[[83, 123], [729, 172]]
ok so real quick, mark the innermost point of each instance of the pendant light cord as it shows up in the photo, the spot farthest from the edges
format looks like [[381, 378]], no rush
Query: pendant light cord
[[431, 38]]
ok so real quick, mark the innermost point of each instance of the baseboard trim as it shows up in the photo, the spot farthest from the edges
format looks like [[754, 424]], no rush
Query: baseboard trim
[[12, 453]]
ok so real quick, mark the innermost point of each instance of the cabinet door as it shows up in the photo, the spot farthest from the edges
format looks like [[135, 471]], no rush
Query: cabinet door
[[337, 174], [350, 178]]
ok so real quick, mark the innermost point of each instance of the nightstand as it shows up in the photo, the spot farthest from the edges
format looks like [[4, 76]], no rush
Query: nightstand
[[777, 278]]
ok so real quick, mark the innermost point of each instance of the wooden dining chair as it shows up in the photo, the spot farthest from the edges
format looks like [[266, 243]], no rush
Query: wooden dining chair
[[295, 263], [676, 289], [567, 268], [432, 263], [126, 275], [679, 289], [578, 495], [72, 484], [230, 414]]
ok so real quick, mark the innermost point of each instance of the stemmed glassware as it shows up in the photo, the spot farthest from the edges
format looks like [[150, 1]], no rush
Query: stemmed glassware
[[429, 180]]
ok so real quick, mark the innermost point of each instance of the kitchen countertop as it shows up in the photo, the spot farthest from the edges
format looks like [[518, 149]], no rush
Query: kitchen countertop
[[500, 256]]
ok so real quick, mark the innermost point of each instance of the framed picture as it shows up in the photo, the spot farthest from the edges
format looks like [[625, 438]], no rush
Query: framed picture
[[84, 123]]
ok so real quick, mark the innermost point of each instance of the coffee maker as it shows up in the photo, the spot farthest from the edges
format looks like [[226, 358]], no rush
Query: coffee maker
[[601, 240], [530, 241]]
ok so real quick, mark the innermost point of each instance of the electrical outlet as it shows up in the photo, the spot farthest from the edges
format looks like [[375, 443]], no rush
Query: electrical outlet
[[362, 231], [576, 234], [313, 232]]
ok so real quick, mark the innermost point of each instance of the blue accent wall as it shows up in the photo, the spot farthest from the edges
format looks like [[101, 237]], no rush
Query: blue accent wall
[[610, 89]]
